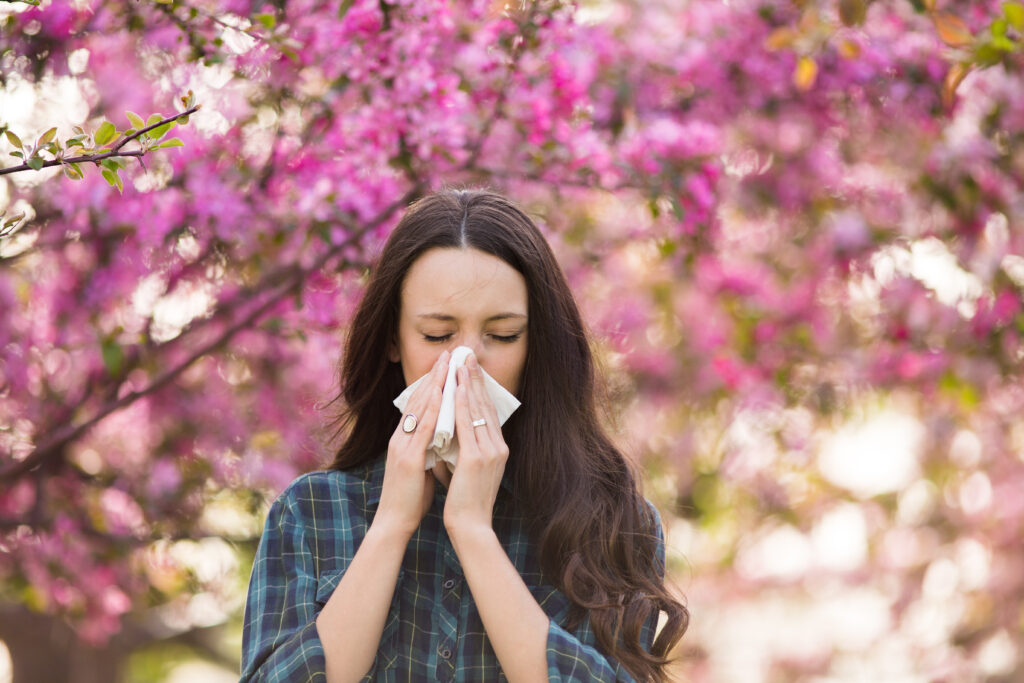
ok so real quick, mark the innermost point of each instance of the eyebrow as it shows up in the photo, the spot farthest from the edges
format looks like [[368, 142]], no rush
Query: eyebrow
[[451, 318]]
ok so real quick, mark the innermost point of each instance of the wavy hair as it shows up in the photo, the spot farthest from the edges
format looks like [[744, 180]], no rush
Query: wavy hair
[[595, 532]]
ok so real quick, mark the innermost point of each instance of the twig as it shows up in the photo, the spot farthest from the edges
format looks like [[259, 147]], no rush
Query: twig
[[114, 151]]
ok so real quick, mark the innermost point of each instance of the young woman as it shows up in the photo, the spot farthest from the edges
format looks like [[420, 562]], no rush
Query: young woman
[[534, 558]]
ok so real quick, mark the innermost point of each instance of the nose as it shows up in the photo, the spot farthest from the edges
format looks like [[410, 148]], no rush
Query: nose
[[473, 341]]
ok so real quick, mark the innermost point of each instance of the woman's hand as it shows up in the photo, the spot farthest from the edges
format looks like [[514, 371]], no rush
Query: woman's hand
[[482, 455], [408, 486]]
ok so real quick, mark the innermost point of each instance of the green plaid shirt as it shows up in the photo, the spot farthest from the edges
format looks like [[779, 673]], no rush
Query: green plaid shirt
[[433, 631]]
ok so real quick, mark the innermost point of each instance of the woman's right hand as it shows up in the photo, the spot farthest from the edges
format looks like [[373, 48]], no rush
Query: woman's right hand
[[408, 486]]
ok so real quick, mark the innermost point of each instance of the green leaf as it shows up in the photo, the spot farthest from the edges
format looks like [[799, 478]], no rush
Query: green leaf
[[987, 54], [154, 118], [268, 20], [20, 155], [1014, 13], [109, 176], [173, 142], [113, 356], [1004, 44], [960, 390], [112, 164], [13, 220], [999, 27], [652, 206], [15, 140], [35, 163], [135, 120], [46, 137], [161, 131], [105, 133], [71, 171]]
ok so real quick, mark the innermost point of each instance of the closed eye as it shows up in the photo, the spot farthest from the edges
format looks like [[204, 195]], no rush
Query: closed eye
[[507, 339], [437, 340]]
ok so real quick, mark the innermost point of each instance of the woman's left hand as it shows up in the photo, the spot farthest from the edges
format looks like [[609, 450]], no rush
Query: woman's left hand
[[482, 455]]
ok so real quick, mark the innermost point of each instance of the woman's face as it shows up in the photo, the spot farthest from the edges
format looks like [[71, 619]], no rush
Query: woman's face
[[462, 297]]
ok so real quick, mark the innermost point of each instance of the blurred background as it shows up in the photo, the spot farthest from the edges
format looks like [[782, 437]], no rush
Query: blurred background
[[795, 229]]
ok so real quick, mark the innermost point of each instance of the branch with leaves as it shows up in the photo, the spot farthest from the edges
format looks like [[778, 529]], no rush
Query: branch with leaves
[[970, 50], [104, 148]]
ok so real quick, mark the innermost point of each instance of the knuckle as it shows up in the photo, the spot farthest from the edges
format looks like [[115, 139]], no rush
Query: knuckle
[[405, 461]]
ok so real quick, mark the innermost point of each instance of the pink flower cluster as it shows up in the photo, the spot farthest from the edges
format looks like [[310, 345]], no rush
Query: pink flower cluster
[[746, 197]]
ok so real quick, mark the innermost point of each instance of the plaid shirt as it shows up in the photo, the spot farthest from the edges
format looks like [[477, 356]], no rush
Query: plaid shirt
[[433, 630]]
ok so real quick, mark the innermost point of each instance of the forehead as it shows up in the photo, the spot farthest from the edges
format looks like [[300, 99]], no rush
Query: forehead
[[462, 281]]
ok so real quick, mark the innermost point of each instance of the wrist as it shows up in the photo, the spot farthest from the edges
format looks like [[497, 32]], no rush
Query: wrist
[[470, 534], [389, 530]]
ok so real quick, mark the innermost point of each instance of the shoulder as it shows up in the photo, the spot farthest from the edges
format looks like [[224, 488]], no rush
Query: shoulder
[[655, 516], [322, 493], [655, 524]]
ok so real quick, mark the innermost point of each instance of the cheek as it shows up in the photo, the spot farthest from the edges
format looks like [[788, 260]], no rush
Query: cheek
[[508, 369], [416, 362]]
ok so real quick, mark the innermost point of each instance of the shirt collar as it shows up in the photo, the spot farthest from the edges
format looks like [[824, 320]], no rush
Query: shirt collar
[[375, 481]]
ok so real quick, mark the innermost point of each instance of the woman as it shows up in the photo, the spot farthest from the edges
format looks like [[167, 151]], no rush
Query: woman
[[535, 558]]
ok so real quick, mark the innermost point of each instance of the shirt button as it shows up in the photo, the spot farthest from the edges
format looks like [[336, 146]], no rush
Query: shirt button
[[449, 584], [445, 653]]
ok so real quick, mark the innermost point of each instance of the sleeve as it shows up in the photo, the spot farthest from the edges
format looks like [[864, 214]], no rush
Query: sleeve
[[574, 657], [279, 637]]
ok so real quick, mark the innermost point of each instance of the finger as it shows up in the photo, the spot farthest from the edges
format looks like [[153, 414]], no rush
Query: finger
[[476, 375], [483, 406], [463, 428], [482, 434], [441, 368], [415, 443], [424, 432], [420, 401], [435, 377]]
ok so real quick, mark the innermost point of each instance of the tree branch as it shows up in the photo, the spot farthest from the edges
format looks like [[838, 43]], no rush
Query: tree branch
[[114, 151], [54, 446]]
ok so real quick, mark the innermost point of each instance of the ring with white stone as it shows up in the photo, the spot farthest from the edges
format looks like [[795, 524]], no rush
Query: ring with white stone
[[479, 423], [409, 423]]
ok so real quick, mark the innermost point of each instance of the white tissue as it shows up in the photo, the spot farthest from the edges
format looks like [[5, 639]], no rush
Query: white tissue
[[445, 445]]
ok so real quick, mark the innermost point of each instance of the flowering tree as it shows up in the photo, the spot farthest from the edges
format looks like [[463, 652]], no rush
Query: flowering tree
[[772, 211]]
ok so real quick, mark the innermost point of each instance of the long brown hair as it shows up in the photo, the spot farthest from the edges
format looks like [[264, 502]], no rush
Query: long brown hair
[[596, 533]]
